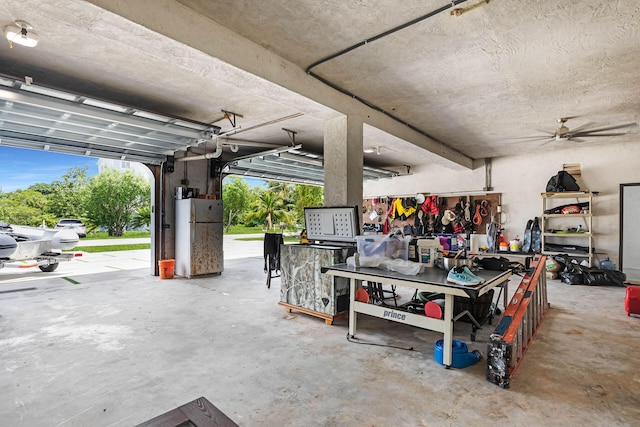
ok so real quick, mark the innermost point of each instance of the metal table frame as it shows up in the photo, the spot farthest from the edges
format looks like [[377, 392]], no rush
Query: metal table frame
[[431, 280]]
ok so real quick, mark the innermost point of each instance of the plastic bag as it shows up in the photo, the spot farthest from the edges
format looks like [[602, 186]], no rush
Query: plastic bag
[[598, 277], [400, 265], [572, 274]]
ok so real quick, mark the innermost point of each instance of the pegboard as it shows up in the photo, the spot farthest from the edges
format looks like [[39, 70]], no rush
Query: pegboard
[[378, 212], [332, 224]]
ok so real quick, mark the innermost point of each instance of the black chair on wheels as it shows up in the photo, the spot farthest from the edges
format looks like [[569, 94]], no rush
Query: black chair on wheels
[[272, 242]]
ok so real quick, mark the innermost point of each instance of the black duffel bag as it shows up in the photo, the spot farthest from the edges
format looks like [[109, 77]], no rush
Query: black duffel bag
[[562, 181], [492, 263]]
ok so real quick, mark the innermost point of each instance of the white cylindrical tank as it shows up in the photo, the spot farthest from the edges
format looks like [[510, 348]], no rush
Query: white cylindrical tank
[[8, 246]]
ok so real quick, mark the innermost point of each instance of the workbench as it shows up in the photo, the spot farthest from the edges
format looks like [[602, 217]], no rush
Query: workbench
[[431, 280]]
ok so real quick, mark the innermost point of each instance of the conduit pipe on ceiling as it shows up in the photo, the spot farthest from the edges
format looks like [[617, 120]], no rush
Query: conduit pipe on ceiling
[[205, 156], [384, 34], [453, 3]]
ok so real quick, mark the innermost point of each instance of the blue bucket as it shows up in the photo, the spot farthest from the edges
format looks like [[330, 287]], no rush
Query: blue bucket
[[461, 356]]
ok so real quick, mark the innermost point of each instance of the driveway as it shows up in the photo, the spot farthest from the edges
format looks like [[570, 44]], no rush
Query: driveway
[[100, 262]]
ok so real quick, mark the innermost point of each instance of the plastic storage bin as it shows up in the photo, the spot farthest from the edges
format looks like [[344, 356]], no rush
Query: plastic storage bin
[[384, 245]]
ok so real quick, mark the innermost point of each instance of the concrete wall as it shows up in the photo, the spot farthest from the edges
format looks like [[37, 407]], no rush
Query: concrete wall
[[521, 179]]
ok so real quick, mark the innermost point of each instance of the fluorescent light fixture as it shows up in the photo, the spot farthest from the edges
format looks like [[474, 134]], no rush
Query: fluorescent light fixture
[[20, 34]]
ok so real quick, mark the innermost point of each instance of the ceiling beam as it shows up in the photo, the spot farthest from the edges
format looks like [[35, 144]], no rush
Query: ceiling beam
[[232, 54]]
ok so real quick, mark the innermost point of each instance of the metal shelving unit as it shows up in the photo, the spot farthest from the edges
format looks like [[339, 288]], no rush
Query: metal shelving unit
[[561, 236]]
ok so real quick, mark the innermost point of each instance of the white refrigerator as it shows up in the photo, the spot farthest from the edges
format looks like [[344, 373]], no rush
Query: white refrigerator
[[198, 237]]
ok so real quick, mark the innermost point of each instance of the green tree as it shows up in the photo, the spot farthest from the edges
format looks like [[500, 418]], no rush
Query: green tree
[[65, 196], [269, 208], [42, 188], [236, 195], [111, 199], [24, 207], [142, 217], [307, 196]]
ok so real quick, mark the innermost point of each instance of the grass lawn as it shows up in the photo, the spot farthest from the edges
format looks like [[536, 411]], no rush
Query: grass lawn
[[241, 229], [101, 235], [111, 248], [236, 229]]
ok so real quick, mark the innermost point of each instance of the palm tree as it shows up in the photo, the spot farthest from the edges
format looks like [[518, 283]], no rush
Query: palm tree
[[269, 207]]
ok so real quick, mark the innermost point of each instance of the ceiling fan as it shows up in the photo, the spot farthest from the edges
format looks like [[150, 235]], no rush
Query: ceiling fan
[[563, 133]]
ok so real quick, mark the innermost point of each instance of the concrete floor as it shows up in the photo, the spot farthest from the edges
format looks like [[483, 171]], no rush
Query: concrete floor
[[121, 347]]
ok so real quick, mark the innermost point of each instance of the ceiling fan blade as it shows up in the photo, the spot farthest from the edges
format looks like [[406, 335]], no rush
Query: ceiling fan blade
[[577, 140], [591, 135], [534, 137], [626, 125], [583, 127]]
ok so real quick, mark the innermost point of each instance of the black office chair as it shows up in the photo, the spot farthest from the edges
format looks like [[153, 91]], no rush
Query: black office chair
[[272, 242]]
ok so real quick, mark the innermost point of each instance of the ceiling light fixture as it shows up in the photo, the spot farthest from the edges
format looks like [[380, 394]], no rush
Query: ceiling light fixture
[[20, 34]]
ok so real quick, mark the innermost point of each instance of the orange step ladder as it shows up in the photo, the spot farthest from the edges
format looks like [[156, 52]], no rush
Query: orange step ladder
[[513, 335]]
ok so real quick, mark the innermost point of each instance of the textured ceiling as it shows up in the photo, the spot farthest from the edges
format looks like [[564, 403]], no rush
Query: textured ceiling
[[477, 82]]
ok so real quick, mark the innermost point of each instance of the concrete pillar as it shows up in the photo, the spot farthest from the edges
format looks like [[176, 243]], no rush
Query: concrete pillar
[[343, 161]]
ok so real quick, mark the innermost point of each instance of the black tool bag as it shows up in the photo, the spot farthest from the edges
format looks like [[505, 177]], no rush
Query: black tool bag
[[497, 264], [562, 181]]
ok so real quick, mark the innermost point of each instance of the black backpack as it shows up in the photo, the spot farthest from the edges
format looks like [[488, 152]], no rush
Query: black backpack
[[562, 181]]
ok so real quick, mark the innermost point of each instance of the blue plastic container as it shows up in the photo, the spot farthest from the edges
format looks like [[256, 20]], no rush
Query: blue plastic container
[[461, 356]]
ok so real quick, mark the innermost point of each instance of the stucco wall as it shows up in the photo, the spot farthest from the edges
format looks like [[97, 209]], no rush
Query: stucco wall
[[521, 179]]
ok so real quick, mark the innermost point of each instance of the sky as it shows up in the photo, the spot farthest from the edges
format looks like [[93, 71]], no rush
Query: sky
[[21, 168]]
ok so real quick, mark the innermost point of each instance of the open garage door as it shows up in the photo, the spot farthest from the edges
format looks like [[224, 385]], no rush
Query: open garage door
[[37, 117]]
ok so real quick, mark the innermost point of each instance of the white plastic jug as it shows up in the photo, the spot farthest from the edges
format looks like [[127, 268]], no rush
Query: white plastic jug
[[428, 251]]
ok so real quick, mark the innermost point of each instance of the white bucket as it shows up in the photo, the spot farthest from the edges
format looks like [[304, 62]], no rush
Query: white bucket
[[428, 251]]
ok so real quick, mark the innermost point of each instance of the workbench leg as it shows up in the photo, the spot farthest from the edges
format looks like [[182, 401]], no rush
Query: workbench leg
[[505, 293], [447, 355], [352, 312]]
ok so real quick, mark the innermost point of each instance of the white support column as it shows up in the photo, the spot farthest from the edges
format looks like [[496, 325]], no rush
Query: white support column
[[343, 161]]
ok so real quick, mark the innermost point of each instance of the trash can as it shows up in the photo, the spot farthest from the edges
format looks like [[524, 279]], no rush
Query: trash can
[[167, 267]]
